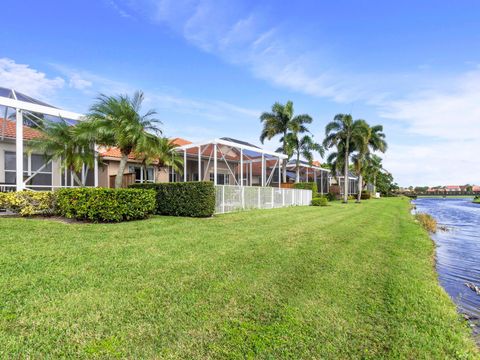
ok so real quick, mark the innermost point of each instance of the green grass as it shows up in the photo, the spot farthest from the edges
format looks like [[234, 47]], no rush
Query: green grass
[[344, 281]]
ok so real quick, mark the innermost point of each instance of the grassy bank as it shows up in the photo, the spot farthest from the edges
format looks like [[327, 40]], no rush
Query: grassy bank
[[338, 282]]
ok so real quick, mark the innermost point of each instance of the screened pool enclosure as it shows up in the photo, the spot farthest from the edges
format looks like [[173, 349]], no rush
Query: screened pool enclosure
[[245, 176], [21, 117]]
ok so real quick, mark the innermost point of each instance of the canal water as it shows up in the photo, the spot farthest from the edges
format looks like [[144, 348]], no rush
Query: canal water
[[458, 251]]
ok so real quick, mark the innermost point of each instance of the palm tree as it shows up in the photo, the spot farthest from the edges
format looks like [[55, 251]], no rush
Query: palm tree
[[374, 166], [372, 139], [345, 134], [162, 155], [60, 141], [304, 147], [280, 121], [116, 121]]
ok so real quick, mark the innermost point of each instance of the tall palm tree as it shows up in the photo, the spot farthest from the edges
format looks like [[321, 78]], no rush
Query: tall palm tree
[[372, 139], [304, 147], [374, 166], [162, 155], [344, 133], [281, 121], [116, 121], [60, 141]]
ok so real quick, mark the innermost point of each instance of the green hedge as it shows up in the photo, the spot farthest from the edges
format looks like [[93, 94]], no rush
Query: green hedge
[[194, 199], [307, 186], [320, 201], [105, 205], [366, 195], [28, 203]]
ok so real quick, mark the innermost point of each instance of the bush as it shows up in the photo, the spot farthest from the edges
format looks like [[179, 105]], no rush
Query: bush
[[351, 197], [28, 203], [427, 221], [366, 195], [320, 201], [105, 205], [307, 186], [194, 199], [331, 196]]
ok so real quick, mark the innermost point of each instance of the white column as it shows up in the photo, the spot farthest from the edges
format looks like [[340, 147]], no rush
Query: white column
[[280, 173], [263, 169], [307, 176], [184, 165], [19, 150], [215, 164], [95, 165], [241, 167], [199, 164], [321, 182], [314, 175]]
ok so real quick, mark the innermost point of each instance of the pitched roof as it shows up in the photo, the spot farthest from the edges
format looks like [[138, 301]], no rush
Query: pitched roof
[[8, 129], [179, 141]]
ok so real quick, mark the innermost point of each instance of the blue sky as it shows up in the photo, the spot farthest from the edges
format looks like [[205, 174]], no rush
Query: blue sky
[[211, 67]]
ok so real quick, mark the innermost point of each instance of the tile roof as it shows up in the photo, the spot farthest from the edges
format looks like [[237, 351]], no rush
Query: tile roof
[[11, 130]]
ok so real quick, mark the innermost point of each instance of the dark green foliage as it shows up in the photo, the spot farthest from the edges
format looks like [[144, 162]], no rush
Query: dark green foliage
[[320, 201], [366, 195], [331, 196], [476, 200], [194, 199], [106, 205], [307, 186]]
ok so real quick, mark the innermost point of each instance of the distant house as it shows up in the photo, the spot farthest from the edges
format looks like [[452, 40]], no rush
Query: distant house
[[453, 188]]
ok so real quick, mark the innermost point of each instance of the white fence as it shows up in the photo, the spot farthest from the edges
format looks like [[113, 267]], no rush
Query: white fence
[[233, 198]]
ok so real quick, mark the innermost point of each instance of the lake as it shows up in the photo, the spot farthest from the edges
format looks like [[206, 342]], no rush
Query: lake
[[458, 250]]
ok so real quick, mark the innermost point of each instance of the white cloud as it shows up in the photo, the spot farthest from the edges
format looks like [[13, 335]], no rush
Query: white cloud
[[449, 113], [23, 78], [452, 162]]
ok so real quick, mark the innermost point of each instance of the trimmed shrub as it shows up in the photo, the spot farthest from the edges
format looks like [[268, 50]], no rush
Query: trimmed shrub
[[105, 205], [307, 186], [366, 195], [194, 199], [331, 196], [320, 201], [28, 203]]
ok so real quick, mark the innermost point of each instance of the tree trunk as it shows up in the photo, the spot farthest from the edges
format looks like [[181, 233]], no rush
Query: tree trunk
[[121, 169], [284, 164], [144, 167], [297, 175], [375, 184], [345, 174], [360, 187], [76, 179]]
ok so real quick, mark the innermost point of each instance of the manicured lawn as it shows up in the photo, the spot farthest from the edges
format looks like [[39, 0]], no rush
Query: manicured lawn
[[353, 281]]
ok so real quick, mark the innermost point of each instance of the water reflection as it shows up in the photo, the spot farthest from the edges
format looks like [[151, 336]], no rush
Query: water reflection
[[458, 250]]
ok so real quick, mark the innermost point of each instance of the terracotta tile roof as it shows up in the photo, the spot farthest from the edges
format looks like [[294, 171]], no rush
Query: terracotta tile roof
[[179, 141], [114, 152], [11, 131]]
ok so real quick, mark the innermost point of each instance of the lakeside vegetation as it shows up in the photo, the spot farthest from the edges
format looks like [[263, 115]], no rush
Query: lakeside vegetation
[[357, 282], [476, 200]]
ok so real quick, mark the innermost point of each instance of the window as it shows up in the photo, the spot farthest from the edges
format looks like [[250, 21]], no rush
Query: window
[[32, 164], [140, 173], [222, 179]]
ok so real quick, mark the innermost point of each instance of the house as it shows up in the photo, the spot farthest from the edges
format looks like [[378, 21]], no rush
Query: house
[[20, 116]]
